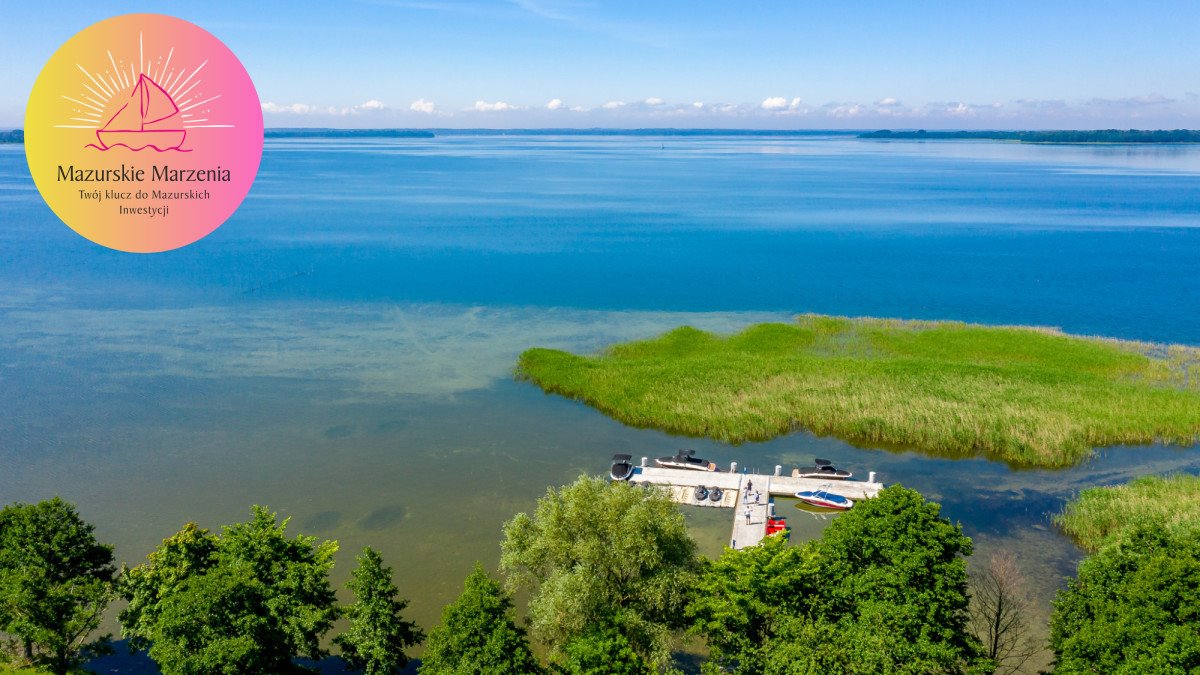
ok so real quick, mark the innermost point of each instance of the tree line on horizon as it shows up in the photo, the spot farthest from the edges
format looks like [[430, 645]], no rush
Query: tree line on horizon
[[1057, 136], [613, 582], [1054, 136]]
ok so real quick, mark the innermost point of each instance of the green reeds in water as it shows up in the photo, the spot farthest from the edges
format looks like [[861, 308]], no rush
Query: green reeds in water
[[1025, 396], [1101, 516]]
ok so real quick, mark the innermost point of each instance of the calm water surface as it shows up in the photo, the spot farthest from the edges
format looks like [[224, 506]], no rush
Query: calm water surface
[[341, 350]]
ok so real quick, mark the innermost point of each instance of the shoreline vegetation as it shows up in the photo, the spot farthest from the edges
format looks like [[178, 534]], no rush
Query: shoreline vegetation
[[607, 573], [1052, 136], [611, 582], [1030, 397], [1101, 516]]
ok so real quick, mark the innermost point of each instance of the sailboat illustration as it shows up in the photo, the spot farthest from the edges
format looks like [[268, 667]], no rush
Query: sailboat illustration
[[150, 119]]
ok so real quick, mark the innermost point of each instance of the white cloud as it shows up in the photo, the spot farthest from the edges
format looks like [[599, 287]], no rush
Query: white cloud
[[422, 106], [846, 110], [294, 108], [498, 106], [774, 103], [371, 106], [886, 112], [780, 103]]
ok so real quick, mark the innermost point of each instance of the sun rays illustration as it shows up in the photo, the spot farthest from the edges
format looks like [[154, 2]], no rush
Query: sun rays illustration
[[150, 103]]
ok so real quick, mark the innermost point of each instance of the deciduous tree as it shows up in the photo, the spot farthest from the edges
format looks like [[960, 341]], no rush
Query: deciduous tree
[[1000, 614], [896, 568], [602, 650], [598, 553], [740, 598], [248, 600], [883, 590], [1134, 607], [55, 581]]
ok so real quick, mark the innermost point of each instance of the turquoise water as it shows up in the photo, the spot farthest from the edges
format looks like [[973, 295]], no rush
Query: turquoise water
[[341, 349]]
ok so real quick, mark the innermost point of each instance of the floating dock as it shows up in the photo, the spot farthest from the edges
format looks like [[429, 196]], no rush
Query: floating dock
[[748, 494]]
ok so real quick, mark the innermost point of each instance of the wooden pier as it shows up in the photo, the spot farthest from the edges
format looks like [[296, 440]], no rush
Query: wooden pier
[[748, 494]]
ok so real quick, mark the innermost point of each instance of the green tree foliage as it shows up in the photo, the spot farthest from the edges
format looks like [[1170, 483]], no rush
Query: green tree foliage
[[599, 553], [478, 634], [55, 581], [896, 567], [883, 590], [1133, 608], [377, 637], [603, 650], [741, 596], [246, 601]]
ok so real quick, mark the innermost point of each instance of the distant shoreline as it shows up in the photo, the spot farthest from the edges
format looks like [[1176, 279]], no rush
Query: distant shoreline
[[1059, 136], [1114, 136]]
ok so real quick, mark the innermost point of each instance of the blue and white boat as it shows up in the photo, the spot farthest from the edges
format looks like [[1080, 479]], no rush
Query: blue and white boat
[[825, 499]]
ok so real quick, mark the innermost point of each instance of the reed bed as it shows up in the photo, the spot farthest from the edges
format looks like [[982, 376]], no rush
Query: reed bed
[[1027, 396], [1101, 516]]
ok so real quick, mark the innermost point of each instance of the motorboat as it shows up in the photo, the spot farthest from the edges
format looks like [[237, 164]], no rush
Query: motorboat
[[822, 468], [686, 459], [825, 499], [622, 467]]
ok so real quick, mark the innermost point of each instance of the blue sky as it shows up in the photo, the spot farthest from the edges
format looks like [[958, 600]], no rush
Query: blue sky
[[576, 63]]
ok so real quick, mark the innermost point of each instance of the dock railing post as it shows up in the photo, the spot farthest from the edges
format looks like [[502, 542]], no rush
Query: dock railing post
[[778, 469], [646, 462], [871, 477], [733, 467]]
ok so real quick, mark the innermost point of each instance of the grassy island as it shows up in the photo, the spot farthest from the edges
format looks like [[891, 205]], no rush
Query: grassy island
[[1026, 396], [1101, 516]]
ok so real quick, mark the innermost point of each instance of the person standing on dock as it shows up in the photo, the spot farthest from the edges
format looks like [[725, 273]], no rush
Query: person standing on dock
[[747, 515]]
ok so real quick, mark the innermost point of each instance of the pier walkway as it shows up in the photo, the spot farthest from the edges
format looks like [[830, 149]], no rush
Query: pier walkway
[[681, 485]]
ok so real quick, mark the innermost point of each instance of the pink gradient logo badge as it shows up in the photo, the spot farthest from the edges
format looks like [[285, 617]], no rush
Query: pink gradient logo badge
[[144, 133]]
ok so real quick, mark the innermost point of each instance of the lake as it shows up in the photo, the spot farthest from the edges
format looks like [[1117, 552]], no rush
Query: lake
[[341, 350]]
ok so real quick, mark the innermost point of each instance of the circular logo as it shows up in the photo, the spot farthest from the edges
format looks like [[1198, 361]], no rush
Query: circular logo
[[143, 133]]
